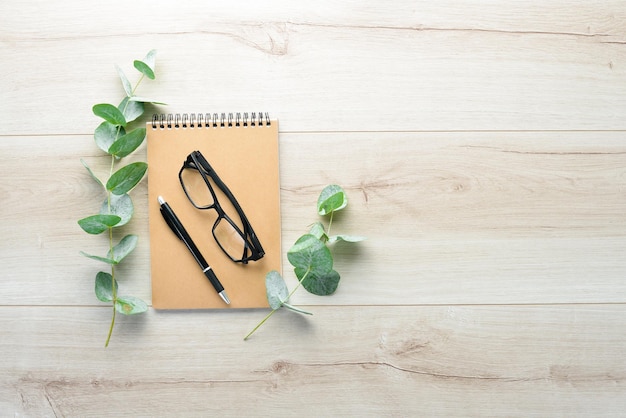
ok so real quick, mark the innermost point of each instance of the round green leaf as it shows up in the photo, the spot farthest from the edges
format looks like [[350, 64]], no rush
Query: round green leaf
[[332, 198], [124, 179], [310, 253], [318, 283], [121, 205], [131, 109], [104, 286], [97, 224], [130, 305], [128, 143], [277, 292], [123, 248], [109, 113], [147, 65], [106, 134]]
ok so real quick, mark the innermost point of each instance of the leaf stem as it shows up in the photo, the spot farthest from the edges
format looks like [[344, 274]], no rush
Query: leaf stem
[[113, 287], [274, 310], [260, 323], [330, 222], [137, 85], [299, 283]]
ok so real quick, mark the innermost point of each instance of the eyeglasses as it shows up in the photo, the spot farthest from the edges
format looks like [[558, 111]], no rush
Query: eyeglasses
[[232, 230]]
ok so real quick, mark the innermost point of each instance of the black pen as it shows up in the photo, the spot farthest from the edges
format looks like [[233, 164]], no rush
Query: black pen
[[174, 223]]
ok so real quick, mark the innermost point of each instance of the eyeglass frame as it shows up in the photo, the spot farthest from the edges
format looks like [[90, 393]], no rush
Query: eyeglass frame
[[249, 237]]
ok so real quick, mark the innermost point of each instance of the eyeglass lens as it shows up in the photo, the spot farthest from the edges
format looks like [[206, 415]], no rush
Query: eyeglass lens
[[228, 227], [230, 239], [196, 188]]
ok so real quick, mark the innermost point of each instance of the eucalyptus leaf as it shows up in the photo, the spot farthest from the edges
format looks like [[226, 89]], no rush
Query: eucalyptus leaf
[[331, 199], [120, 205], [123, 248], [104, 287], [143, 68], [145, 100], [146, 66], [295, 309], [310, 253], [128, 143], [97, 224], [277, 292], [109, 113], [130, 305], [345, 238], [318, 282], [127, 177], [98, 258], [319, 232], [106, 134], [125, 83], [91, 173], [131, 109]]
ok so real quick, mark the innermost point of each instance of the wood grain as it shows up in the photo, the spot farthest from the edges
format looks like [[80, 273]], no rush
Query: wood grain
[[407, 67], [371, 361], [449, 217], [483, 149]]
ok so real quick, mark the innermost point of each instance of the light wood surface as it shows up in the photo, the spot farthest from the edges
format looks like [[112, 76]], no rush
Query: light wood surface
[[483, 149]]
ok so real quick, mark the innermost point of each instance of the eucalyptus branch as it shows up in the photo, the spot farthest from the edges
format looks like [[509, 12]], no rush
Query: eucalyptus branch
[[114, 137], [311, 258]]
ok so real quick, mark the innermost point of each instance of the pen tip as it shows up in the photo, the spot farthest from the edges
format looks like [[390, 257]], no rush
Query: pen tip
[[161, 200], [224, 297]]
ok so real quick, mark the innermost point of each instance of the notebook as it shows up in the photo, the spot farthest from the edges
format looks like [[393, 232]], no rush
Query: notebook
[[243, 151]]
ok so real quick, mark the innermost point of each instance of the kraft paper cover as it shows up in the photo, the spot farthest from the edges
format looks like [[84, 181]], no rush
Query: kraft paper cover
[[246, 159]]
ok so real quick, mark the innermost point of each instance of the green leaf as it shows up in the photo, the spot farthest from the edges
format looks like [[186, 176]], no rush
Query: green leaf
[[98, 258], [124, 179], [143, 68], [128, 143], [145, 100], [313, 264], [310, 253], [121, 205], [131, 109], [332, 198], [319, 232], [345, 238], [97, 224], [123, 248], [295, 309], [277, 292], [104, 286], [106, 134], [146, 66], [130, 305], [109, 113], [317, 282], [128, 88], [91, 173]]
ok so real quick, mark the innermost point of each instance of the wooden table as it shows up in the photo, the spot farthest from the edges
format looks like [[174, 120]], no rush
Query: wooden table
[[483, 149]]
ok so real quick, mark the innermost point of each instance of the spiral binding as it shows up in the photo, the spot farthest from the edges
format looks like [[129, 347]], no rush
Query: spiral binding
[[208, 120]]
